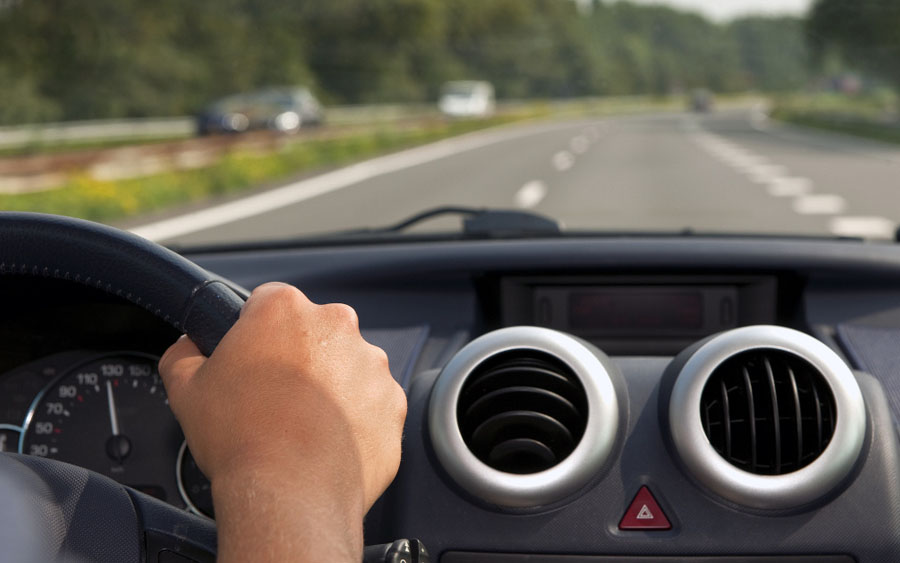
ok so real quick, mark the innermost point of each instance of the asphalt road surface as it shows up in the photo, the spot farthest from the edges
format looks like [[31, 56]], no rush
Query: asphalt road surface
[[729, 171]]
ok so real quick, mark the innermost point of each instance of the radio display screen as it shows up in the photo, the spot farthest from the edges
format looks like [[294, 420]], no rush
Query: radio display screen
[[604, 310]]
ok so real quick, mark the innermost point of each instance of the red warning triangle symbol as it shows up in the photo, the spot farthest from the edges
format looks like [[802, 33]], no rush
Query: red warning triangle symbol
[[644, 513]]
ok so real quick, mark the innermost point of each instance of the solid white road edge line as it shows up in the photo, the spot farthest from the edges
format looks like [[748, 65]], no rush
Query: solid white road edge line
[[331, 181]]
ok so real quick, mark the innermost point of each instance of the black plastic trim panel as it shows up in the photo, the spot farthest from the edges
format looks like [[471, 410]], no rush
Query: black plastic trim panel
[[439, 260]]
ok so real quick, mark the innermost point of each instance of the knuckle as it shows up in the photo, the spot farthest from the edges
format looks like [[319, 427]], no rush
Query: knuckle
[[265, 291], [400, 403], [262, 288], [285, 293], [276, 297], [395, 454], [380, 356], [343, 314]]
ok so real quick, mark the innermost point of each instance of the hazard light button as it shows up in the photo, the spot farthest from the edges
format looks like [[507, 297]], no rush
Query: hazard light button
[[644, 513]]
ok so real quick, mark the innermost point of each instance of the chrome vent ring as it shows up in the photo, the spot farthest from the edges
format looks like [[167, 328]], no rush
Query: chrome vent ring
[[524, 416], [766, 417]]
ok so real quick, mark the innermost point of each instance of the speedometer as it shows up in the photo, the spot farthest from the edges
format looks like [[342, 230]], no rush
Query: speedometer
[[110, 415]]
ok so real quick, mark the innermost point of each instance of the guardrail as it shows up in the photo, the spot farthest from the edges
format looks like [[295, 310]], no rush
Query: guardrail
[[113, 130], [101, 130]]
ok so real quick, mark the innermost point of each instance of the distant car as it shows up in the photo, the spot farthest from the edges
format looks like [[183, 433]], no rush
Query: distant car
[[277, 109], [467, 98], [700, 101]]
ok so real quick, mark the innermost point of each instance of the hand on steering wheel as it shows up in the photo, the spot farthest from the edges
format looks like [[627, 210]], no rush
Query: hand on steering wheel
[[306, 361]]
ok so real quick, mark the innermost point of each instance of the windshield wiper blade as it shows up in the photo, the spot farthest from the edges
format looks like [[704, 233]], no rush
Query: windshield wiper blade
[[477, 222]]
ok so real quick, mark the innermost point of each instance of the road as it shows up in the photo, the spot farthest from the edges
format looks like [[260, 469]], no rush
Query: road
[[729, 171]]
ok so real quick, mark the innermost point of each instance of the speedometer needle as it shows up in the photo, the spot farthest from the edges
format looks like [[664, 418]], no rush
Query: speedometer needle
[[113, 414], [118, 446]]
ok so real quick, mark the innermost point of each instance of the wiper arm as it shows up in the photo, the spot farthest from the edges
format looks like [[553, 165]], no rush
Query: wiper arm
[[426, 215], [478, 223], [483, 222]]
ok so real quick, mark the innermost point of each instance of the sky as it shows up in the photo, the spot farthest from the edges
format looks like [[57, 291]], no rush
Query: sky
[[727, 9]]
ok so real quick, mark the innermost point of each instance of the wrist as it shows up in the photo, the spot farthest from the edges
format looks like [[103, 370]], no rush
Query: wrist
[[316, 513]]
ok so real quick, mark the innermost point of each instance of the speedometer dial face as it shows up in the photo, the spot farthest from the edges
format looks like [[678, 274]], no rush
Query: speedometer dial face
[[193, 485], [110, 415]]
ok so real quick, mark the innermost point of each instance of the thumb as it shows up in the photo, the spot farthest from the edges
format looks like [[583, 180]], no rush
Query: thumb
[[178, 366]]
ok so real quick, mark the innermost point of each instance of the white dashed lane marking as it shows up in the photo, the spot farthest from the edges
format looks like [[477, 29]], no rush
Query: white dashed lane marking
[[819, 204], [865, 227], [530, 194], [579, 144], [790, 187], [766, 173], [563, 160], [748, 163], [779, 183]]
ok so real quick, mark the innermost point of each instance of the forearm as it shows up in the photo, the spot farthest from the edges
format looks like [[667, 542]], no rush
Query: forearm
[[268, 517]]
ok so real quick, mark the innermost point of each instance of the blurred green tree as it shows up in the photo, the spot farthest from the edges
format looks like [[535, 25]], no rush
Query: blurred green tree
[[61, 59], [865, 33]]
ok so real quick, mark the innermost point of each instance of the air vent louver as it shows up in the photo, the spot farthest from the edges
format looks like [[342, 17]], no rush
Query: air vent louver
[[766, 416], [767, 411], [524, 416], [522, 411]]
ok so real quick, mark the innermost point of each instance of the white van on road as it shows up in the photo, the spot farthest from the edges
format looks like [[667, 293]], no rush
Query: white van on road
[[467, 98]]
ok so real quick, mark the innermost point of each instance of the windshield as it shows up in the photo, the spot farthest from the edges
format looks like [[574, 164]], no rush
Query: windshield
[[226, 121]]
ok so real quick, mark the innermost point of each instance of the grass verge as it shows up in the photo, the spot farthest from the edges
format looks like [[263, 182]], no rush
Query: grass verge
[[88, 198], [872, 117]]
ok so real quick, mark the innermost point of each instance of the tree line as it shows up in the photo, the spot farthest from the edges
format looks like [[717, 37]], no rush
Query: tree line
[[864, 34], [62, 60]]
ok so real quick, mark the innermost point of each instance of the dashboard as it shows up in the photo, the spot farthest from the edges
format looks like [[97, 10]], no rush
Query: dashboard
[[557, 393]]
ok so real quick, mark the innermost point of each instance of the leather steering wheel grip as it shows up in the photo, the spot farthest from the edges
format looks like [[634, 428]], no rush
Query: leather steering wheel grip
[[173, 288]]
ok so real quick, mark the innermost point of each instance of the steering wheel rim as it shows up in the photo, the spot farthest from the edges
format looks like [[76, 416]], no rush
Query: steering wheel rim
[[66, 513], [173, 288]]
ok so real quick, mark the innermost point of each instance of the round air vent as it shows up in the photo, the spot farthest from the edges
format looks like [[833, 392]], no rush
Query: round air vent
[[767, 411], [524, 416], [522, 411], [766, 416]]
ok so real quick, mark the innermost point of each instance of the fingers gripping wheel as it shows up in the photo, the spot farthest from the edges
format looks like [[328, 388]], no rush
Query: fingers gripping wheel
[[122, 264]]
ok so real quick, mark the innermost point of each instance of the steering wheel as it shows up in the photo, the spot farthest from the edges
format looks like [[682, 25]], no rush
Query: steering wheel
[[53, 511]]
